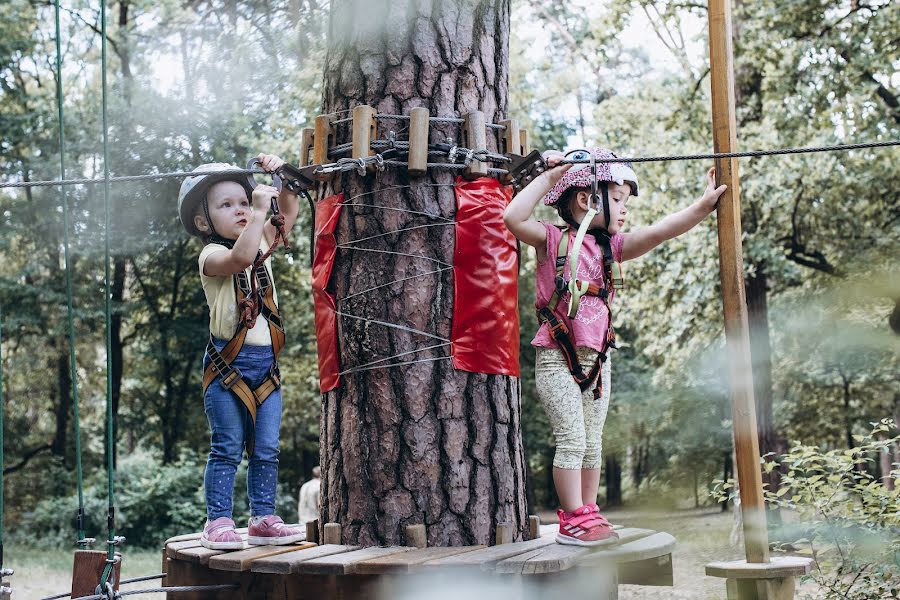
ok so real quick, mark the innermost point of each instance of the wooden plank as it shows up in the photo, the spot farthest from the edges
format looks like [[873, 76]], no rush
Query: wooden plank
[[737, 331], [307, 138], [486, 558], [344, 563], [284, 564], [635, 549], [406, 562], [197, 555], [534, 526], [241, 560], [559, 557], [780, 566]]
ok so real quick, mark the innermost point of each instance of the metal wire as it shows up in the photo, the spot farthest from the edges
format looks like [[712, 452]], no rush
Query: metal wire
[[402, 364], [440, 262], [392, 326], [387, 233], [401, 280], [158, 590], [146, 578], [364, 366], [491, 171]]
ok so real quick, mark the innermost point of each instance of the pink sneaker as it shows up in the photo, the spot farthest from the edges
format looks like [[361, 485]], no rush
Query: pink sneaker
[[271, 531], [220, 535], [585, 526]]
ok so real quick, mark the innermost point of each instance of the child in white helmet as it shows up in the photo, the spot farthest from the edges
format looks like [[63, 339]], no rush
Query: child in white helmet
[[241, 381], [572, 373]]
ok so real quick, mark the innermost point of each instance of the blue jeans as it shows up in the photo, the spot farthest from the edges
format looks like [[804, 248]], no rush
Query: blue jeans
[[230, 426]]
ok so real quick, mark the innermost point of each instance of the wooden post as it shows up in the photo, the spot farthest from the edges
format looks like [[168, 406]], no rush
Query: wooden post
[[512, 139], [504, 534], [332, 533], [416, 536], [524, 141], [363, 130], [418, 141], [731, 265], [312, 531], [534, 524], [322, 140], [306, 144], [87, 570], [475, 138]]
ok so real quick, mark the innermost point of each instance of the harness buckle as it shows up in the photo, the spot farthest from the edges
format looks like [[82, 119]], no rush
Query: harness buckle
[[233, 376], [561, 285], [275, 374]]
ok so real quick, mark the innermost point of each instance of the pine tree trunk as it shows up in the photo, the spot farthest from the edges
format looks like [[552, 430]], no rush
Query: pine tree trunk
[[422, 443]]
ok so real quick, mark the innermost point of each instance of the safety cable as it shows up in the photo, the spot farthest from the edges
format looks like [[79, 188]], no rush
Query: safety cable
[[363, 366], [393, 231], [491, 171], [82, 540], [392, 326], [400, 364], [401, 280]]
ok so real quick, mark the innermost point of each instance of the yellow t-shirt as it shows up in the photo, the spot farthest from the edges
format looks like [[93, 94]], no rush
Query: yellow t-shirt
[[222, 301]]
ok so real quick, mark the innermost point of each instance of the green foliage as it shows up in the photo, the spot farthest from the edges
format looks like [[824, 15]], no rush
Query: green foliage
[[843, 516], [153, 503]]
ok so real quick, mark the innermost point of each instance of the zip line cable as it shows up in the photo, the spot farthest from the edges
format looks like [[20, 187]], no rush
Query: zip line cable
[[455, 166]]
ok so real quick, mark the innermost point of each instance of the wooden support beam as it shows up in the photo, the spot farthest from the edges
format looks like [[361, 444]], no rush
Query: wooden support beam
[[332, 533], [731, 265], [87, 570], [306, 144], [312, 531], [416, 536], [475, 138], [322, 141], [524, 141], [418, 141], [511, 139], [363, 131]]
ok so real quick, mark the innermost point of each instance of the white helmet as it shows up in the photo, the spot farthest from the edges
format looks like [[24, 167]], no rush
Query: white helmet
[[194, 188]]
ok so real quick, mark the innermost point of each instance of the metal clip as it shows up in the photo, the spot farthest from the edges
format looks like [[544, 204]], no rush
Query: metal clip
[[7, 572], [86, 542], [361, 167], [379, 162], [470, 155], [452, 154], [392, 138]]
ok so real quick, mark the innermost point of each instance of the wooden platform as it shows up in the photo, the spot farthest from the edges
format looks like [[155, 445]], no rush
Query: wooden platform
[[337, 572]]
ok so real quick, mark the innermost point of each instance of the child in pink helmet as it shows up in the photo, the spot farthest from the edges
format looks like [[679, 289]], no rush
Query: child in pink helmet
[[572, 372]]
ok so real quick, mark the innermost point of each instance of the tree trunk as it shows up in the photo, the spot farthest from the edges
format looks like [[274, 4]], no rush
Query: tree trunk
[[423, 443], [613, 480], [761, 358]]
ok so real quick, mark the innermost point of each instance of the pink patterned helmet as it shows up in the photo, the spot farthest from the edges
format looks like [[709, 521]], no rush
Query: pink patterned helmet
[[580, 175]]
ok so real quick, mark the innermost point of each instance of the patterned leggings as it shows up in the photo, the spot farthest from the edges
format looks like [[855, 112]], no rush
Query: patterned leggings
[[576, 418]]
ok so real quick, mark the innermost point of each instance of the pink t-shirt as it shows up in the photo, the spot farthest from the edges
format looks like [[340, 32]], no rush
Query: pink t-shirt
[[590, 323]]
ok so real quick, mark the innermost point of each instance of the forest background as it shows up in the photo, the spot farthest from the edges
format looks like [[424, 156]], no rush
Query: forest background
[[220, 80]]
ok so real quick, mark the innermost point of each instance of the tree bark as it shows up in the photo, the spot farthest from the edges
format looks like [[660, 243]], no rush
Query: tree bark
[[423, 443], [613, 478]]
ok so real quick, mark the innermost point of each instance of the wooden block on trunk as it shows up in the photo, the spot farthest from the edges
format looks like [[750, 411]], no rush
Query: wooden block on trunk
[[285, 564], [241, 560], [332, 534]]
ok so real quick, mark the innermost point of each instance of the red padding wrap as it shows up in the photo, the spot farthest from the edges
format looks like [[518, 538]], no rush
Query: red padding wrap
[[485, 334], [327, 213]]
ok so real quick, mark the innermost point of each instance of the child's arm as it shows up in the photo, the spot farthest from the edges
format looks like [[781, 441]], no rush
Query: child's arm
[[517, 215], [288, 203], [228, 262], [645, 239]]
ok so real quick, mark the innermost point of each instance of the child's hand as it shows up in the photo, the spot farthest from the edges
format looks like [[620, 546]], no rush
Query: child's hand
[[269, 162], [712, 193], [262, 197], [555, 171]]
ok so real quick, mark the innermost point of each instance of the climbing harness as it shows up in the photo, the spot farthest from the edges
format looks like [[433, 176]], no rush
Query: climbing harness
[[529, 168]]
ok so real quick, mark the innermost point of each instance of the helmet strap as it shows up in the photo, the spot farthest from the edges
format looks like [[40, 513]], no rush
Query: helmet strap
[[604, 190]]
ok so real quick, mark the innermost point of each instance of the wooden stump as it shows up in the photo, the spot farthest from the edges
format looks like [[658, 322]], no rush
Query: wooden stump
[[774, 580]]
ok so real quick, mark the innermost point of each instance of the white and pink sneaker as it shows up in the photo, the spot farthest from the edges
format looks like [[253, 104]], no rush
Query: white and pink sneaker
[[219, 534], [585, 526], [271, 531]]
